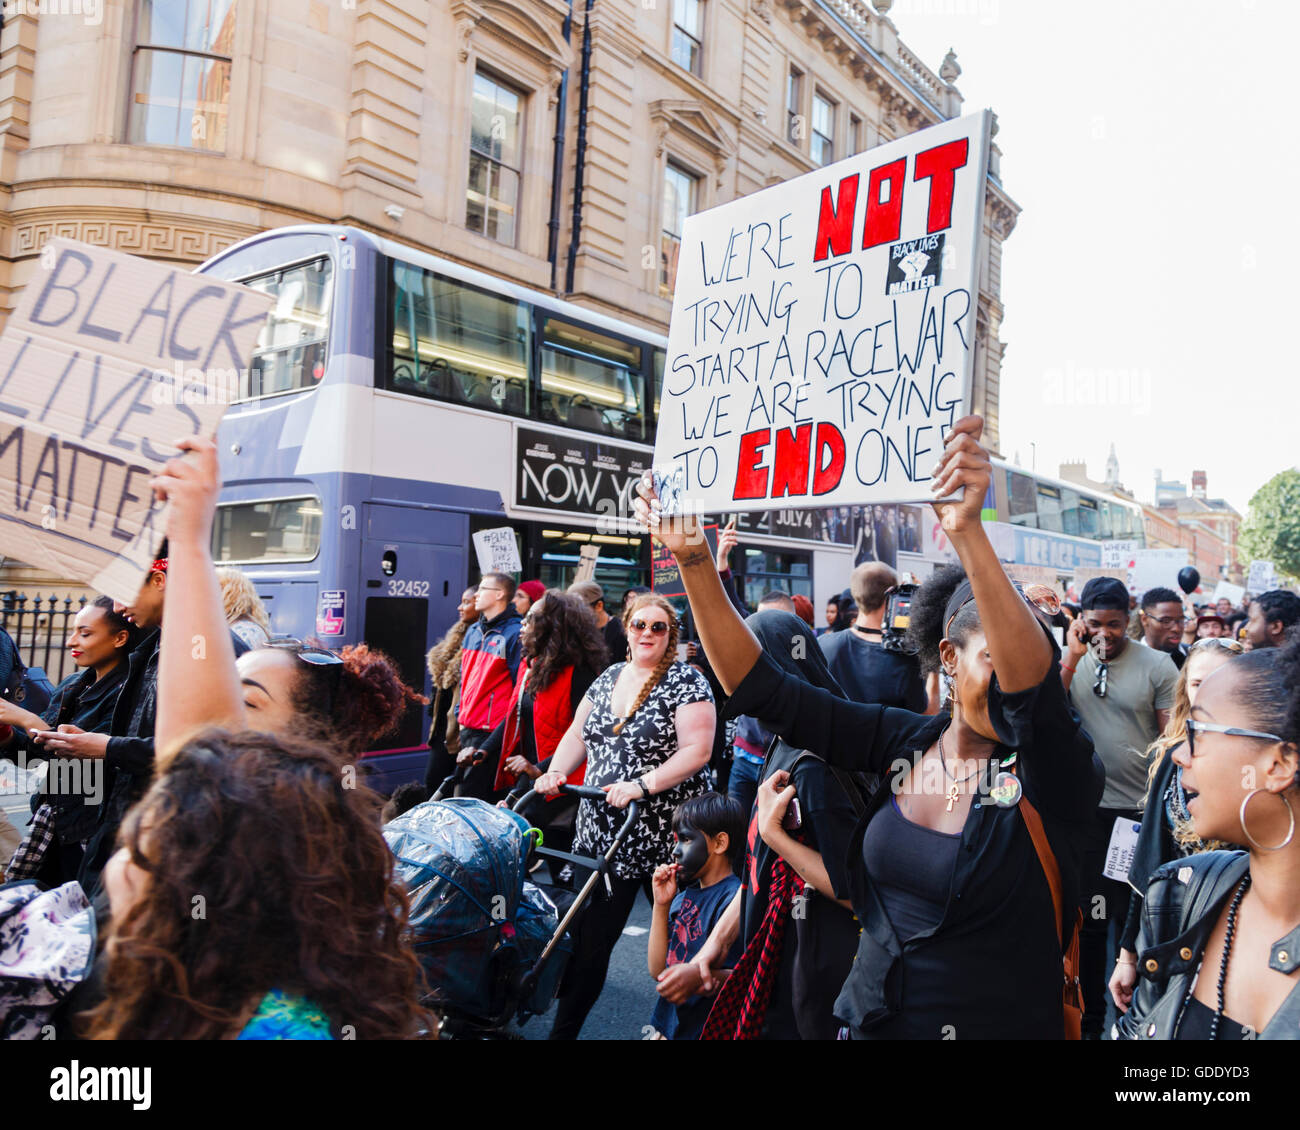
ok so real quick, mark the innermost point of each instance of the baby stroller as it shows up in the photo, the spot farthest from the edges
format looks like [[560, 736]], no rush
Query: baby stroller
[[492, 943]]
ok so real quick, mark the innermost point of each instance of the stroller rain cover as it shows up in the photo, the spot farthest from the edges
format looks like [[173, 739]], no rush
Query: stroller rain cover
[[473, 916]]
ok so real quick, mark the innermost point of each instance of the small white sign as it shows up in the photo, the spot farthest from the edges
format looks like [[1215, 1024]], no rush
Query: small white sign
[[1234, 593], [1117, 554], [1123, 846], [497, 550], [1262, 577]]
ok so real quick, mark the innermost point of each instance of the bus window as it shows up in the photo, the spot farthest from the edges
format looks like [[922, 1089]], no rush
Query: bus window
[[1070, 522], [1089, 518], [286, 529], [1049, 508], [1105, 527], [453, 342], [1022, 501], [591, 381], [290, 352]]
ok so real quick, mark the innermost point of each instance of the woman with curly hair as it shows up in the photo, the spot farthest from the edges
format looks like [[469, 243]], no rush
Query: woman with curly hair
[[1167, 831], [563, 653], [645, 732], [253, 897], [962, 873]]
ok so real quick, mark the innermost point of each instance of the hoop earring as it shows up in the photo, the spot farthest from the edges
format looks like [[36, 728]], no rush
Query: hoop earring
[[1241, 815]]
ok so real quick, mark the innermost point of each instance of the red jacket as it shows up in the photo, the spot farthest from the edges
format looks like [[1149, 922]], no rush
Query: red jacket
[[488, 666], [552, 714]]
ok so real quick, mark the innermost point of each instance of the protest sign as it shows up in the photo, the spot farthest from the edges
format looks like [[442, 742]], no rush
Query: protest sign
[[1084, 574], [1156, 568], [665, 578], [1234, 593], [1033, 575], [823, 331], [1261, 578], [587, 555], [106, 362], [497, 550], [1118, 555]]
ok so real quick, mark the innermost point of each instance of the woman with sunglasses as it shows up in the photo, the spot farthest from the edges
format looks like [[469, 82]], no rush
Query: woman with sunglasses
[[645, 731], [1219, 947], [1166, 828], [961, 933]]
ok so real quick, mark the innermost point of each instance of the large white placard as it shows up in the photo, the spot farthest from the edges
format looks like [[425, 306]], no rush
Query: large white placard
[[823, 331], [1156, 568]]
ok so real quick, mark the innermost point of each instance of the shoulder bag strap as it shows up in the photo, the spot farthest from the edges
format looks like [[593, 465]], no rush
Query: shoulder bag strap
[[1046, 859]]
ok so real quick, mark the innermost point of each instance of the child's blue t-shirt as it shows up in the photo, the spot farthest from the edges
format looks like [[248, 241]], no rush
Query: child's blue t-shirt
[[694, 913]]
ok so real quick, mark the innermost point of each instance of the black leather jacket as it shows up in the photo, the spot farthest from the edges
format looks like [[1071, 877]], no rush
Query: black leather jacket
[[1183, 904]]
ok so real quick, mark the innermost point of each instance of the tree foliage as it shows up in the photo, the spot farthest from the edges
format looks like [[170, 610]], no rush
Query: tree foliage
[[1271, 531]]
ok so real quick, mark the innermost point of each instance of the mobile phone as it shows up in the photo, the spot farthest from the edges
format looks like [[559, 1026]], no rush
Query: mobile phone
[[793, 818]]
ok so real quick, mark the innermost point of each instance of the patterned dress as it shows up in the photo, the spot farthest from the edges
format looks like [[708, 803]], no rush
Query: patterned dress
[[647, 740]]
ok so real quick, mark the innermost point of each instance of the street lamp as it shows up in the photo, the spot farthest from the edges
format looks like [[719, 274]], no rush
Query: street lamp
[[1033, 456]]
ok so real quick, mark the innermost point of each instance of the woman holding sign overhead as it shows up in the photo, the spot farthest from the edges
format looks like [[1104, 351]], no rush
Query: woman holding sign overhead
[[961, 872]]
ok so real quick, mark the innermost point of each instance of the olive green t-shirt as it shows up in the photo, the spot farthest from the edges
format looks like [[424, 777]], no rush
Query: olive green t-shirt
[[1123, 724]]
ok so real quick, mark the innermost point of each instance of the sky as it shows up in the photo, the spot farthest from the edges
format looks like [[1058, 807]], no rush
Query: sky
[[1151, 276]]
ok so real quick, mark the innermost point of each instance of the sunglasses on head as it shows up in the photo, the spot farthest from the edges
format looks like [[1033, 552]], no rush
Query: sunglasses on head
[[1217, 641], [314, 656], [657, 627]]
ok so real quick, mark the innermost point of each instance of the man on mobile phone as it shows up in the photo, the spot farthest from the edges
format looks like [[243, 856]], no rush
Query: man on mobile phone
[[1123, 693]]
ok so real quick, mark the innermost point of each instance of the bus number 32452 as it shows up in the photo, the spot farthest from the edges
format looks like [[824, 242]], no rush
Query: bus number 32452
[[408, 588]]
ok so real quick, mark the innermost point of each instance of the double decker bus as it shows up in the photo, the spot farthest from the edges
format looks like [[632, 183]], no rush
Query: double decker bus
[[397, 403]]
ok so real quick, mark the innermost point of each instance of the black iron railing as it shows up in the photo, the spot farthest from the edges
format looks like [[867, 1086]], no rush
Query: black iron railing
[[40, 627]]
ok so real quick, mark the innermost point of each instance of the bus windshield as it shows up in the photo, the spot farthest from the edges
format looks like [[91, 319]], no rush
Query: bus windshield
[[290, 353]]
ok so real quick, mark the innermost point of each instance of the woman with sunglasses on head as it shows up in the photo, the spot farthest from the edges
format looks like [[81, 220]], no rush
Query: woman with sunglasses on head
[[961, 925], [1166, 828], [347, 700], [645, 732], [1219, 947]]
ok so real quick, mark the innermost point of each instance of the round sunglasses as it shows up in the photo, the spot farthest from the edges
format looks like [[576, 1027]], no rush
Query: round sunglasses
[[657, 627]]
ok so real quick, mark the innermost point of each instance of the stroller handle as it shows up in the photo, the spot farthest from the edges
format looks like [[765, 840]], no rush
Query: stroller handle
[[585, 792]]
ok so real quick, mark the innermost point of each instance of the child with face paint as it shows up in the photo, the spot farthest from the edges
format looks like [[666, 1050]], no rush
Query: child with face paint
[[690, 895]]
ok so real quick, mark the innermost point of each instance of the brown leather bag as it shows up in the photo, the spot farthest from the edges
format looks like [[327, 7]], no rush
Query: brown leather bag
[[1072, 995]]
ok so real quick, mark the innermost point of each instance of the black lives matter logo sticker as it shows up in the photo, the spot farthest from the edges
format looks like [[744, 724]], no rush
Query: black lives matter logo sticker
[[915, 264]]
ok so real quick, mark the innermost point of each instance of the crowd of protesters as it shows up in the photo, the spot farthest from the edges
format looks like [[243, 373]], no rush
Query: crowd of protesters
[[843, 832]]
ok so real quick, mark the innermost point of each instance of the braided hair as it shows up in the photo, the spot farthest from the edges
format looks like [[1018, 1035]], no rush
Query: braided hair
[[652, 600]]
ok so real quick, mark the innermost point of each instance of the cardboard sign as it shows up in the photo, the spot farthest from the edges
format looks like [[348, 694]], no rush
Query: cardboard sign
[[1262, 578], [1033, 575], [587, 557], [106, 362], [665, 577], [1121, 849], [823, 331], [497, 550]]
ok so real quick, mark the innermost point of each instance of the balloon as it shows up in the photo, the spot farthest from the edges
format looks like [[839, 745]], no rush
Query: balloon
[[1188, 579]]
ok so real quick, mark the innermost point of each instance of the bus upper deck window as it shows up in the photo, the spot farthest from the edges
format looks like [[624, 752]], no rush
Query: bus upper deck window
[[592, 381], [291, 349], [454, 342]]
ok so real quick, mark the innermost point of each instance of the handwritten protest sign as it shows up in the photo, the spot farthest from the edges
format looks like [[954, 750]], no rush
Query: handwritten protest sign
[[497, 550], [1261, 578], [106, 362], [823, 331], [1118, 554], [665, 577], [587, 557]]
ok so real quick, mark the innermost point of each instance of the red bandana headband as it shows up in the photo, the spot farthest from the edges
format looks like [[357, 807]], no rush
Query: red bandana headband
[[159, 566]]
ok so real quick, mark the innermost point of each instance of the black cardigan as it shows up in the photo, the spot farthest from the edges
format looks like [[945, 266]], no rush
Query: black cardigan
[[997, 929]]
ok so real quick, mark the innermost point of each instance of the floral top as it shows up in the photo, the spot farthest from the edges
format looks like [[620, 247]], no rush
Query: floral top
[[284, 1017], [647, 740]]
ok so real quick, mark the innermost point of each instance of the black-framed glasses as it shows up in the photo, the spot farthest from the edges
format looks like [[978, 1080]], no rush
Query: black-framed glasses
[[1103, 675], [314, 656], [1163, 621], [657, 627], [1194, 727]]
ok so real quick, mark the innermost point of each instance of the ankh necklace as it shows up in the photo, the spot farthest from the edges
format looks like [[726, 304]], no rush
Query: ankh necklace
[[954, 794]]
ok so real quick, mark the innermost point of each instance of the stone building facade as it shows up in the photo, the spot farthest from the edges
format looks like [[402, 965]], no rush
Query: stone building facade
[[552, 143]]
